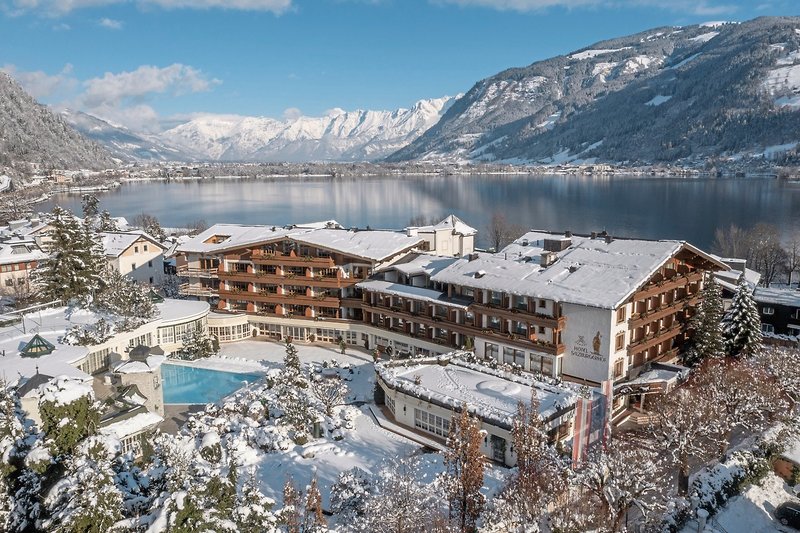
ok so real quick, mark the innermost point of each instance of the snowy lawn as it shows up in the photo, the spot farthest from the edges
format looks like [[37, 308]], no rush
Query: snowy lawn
[[367, 446], [752, 511]]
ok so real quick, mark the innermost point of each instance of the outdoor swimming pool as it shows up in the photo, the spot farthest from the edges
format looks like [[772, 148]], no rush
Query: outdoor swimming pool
[[187, 384]]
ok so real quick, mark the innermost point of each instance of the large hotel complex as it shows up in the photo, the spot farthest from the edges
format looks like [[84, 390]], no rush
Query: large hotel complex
[[584, 308]]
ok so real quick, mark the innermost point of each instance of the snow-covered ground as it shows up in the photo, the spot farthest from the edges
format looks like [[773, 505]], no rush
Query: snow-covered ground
[[367, 446], [752, 511]]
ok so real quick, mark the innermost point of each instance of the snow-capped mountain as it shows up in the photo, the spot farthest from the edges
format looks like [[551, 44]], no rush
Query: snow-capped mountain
[[672, 94], [338, 136], [32, 133], [123, 143]]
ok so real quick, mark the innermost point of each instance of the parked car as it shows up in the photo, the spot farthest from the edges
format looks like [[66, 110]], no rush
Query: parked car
[[789, 514]]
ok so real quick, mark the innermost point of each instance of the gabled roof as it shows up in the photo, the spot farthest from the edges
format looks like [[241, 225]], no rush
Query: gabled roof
[[418, 264], [33, 383], [117, 242], [588, 271], [15, 251], [450, 222]]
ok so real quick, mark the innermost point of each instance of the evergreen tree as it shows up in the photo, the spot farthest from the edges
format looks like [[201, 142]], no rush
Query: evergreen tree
[[127, 300], [708, 340], [291, 360], [11, 435], [81, 412], [86, 499], [289, 515], [313, 520], [253, 511], [76, 263], [90, 206], [197, 345], [464, 465], [742, 324], [106, 223]]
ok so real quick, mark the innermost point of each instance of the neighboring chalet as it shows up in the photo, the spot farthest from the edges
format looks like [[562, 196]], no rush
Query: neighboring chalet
[[135, 254], [18, 258], [451, 237], [779, 309]]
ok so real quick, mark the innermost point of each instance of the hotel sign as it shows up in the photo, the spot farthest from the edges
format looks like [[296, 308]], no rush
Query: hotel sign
[[583, 350]]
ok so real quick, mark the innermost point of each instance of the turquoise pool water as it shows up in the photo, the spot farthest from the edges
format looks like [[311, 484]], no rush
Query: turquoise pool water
[[186, 384]]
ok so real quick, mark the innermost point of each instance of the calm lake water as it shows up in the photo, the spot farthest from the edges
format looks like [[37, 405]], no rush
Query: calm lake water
[[689, 209]]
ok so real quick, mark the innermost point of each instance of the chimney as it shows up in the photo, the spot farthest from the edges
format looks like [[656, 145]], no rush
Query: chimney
[[548, 258], [609, 239], [594, 235], [472, 257], [412, 232], [525, 242], [568, 234]]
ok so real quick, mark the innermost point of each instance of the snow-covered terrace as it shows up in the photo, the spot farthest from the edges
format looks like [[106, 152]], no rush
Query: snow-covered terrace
[[591, 272], [417, 264], [415, 293], [489, 394]]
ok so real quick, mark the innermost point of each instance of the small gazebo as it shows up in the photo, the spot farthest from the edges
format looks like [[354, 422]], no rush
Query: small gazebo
[[37, 347]]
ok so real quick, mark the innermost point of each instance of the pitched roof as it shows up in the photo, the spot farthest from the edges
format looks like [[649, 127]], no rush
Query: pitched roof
[[376, 245], [777, 296], [592, 272], [450, 222], [115, 243], [16, 251]]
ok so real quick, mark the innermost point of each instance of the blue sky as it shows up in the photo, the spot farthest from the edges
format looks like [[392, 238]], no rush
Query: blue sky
[[138, 62]]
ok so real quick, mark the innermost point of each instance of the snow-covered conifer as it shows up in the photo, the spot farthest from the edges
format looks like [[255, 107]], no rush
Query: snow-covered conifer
[[197, 345], [707, 340], [742, 324]]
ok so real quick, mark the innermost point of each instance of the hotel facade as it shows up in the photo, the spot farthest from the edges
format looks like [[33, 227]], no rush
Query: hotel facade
[[584, 308]]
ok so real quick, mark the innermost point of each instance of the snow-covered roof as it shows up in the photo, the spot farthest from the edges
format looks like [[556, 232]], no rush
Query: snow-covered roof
[[592, 272], [450, 222], [417, 264], [777, 296], [15, 251], [131, 426], [375, 245], [407, 291], [116, 243], [492, 395], [220, 237], [64, 390], [24, 228], [181, 310]]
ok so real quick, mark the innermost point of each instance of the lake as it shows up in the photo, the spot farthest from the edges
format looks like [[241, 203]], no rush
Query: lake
[[674, 208]]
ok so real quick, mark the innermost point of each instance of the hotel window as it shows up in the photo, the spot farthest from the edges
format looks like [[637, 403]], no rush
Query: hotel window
[[619, 341], [145, 247], [618, 367], [621, 315], [494, 322], [541, 363], [767, 328], [390, 403], [542, 304], [136, 249], [768, 311], [491, 350], [431, 423], [133, 266], [150, 264], [9, 282], [512, 356]]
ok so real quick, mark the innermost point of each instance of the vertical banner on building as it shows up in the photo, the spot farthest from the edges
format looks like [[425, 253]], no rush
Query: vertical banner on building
[[608, 393], [592, 422], [580, 434]]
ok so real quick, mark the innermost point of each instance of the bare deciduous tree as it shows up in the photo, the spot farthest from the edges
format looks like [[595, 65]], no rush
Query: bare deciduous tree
[[331, 392], [501, 232]]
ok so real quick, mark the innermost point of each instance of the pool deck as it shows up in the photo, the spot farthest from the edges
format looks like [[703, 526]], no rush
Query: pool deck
[[176, 415]]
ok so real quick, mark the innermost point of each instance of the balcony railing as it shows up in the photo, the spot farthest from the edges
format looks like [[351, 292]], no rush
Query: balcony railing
[[186, 272], [194, 290]]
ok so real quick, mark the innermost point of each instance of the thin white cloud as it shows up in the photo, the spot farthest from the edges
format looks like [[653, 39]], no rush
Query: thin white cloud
[[61, 7], [110, 24], [292, 113], [41, 85], [122, 98], [700, 7]]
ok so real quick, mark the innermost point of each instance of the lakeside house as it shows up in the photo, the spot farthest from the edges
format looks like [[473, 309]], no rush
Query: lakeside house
[[584, 308]]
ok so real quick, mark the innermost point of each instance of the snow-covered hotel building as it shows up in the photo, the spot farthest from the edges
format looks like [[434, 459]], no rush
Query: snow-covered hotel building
[[585, 308]]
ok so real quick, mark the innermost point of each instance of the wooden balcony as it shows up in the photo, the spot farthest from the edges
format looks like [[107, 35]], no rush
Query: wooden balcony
[[657, 337], [325, 282], [194, 290], [520, 315], [677, 282], [282, 299], [265, 258], [186, 272], [657, 313]]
